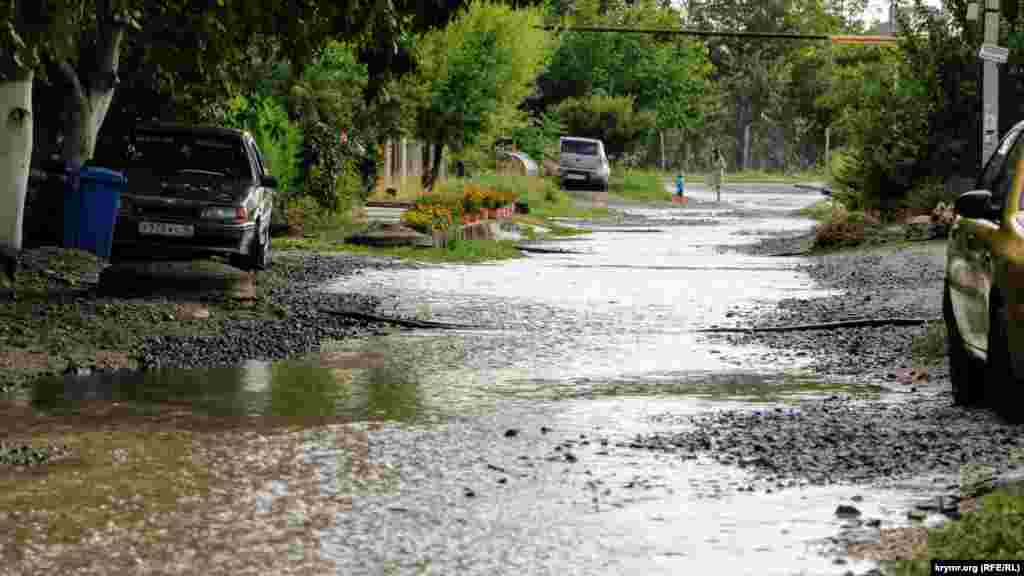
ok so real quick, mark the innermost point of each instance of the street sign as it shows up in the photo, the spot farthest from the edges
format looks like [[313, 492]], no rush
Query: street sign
[[993, 53]]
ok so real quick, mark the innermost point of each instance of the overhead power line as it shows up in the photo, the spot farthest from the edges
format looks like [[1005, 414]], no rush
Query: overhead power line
[[835, 39]]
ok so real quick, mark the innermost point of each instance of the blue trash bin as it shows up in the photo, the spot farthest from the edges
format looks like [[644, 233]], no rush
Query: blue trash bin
[[91, 203]]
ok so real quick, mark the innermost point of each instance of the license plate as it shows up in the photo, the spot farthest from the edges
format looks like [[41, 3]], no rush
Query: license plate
[[576, 177], [162, 229]]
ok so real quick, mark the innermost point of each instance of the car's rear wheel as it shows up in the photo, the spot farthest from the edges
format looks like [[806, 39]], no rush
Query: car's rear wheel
[[1002, 383], [965, 371]]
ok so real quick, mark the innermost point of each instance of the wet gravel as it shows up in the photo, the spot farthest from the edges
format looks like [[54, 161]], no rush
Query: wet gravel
[[839, 439], [910, 430], [303, 326], [877, 283]]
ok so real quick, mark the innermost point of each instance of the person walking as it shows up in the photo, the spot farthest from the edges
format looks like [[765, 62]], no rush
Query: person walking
[[717, 172]]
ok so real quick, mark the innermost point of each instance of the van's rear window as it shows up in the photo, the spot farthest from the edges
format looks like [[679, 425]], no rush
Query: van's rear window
[[579, 147]]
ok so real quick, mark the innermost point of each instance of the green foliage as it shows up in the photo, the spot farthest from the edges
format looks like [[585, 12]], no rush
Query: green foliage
[[469, 92], [926, 195], [821, 210], [321, 178], [668, 77], [884, 113], [643, 185], [995, 530], [930, 346], [539, 138], [473, 75], [612, 119], [279, 139], [456, 252]]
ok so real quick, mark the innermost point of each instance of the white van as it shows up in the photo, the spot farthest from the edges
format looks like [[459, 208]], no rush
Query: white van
[[582, 162]]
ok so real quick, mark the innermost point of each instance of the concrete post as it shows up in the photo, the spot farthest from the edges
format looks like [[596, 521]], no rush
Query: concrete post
[[990, 87], [828, 149], [746, 147], [388, 164], [404, 161]]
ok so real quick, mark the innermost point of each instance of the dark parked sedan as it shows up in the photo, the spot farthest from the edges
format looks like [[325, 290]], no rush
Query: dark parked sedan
[[197, 190]]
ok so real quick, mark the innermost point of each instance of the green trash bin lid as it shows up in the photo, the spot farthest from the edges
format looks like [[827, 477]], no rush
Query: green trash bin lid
[[102, 175]]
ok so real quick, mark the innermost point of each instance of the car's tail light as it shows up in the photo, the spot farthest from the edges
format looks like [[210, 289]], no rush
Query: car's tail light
[[1018, 222], [226, 213]]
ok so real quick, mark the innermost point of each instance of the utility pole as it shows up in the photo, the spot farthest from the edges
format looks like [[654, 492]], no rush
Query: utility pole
[[992, 54]]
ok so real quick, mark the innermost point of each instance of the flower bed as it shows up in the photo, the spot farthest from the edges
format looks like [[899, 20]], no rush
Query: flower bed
[[438, 213]]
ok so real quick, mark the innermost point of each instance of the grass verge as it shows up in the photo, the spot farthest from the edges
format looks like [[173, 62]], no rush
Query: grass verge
[[53, 322], [821, 210], [327, 233], [930, 346], [641, 185], [994, 530], [745, 176], [457, 252]]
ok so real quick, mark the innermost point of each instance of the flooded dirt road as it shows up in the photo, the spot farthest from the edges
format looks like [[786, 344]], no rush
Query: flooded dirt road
[[532, 470], [511, 449]]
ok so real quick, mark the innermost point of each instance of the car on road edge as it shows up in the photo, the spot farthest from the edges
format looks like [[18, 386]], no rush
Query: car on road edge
[[983, 293]]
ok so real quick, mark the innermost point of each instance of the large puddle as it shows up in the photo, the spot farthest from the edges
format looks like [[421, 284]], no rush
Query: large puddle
[[596, 344]]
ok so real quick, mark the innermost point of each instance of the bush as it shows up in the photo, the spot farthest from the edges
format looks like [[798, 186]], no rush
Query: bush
[[279, 139], [539, 138], [995, 530], [429, 217], [928, 194], [844, 228], [612, 120]]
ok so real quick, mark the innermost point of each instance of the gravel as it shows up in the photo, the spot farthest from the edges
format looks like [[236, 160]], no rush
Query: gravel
[[877, 283], [839, 439], [302, 329], [909, 432]]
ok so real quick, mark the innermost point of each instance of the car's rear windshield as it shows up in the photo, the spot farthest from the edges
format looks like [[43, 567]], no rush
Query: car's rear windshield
[[580, 147], [169, 153]]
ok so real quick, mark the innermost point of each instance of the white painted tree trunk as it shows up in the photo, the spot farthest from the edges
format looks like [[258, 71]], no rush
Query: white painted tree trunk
[[85, 117], [15, 157], [90, 97]]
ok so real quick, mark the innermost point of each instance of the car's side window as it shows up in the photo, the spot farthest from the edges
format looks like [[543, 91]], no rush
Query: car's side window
[[996, 164], [1010, 153], [254, 158], [259, 159]]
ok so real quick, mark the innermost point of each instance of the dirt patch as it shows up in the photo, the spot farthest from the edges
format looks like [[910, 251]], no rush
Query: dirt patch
[[24, 360], [191, 311], [175, 494], [893, 544], [111, 360]]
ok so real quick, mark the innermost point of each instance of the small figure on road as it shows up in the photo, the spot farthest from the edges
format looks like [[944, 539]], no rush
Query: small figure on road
[[680, 185], [717, 172]]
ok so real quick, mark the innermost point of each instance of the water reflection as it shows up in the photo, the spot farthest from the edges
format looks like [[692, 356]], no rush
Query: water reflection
[[351, 385]]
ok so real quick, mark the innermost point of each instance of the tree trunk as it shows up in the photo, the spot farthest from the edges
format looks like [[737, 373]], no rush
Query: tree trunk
[[661, 135], [439, 151], [89, 101], [15, 156]]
